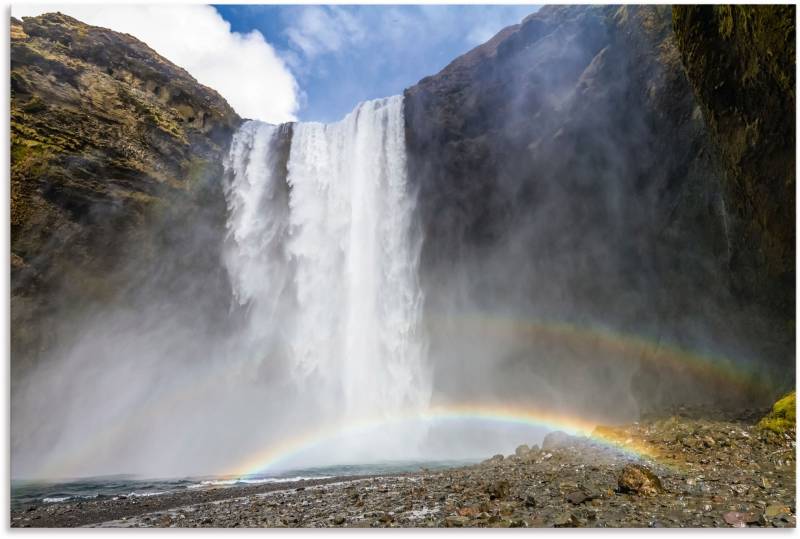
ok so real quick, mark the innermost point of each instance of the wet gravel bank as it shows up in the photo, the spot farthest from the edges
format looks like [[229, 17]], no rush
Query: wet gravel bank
[[676, 471], [88, 512]]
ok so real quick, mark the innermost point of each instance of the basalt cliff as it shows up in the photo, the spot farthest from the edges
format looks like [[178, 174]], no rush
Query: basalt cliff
[[116, 156], [635, 163]]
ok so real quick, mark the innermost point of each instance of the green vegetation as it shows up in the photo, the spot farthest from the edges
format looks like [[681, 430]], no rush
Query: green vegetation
[[782, 417]]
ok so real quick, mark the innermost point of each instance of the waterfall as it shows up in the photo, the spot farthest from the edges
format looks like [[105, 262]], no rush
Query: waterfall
[[323, 253]]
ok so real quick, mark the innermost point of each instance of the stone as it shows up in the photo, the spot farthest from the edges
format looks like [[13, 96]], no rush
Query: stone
[[739, 519], [498, 490], [637, 479], [739, 489], [565, 520], [456, 521], [495, 459], [776, 510], [577, 497], [556, 440]]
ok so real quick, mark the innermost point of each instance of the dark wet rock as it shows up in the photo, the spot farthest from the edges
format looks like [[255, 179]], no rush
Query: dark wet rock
[[637, 479], [740, 61], [529, 499], [565, 520], [498, 490], [578, 496], [517, 142]]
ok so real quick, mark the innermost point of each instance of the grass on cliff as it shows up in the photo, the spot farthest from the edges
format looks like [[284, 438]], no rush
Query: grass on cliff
[[782, 418]]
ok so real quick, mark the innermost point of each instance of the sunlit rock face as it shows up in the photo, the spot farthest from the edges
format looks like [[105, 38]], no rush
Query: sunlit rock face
[[116, 159], [567, 175]]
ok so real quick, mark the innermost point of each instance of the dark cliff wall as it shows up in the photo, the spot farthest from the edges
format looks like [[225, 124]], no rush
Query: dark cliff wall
[[741, 63], [116, 160], [566, 172]]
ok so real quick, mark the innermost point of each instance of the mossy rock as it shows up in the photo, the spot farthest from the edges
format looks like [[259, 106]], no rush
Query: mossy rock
[[782, 417], [740, 61], [102, 164]]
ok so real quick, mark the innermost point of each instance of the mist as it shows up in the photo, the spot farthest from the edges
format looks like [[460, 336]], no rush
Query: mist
[[578, 239], [563, 245]]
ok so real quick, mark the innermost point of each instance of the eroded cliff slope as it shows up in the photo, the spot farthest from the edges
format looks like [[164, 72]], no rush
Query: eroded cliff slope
[[116, 156]]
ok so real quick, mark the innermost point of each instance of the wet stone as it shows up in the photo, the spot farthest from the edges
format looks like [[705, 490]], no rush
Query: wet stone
[[565, 520], [456, 521], [637, 479], [578, 496], [776, 510], [581, 484], [740, 520]]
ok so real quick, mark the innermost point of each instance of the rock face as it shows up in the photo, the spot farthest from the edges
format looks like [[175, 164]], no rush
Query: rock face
[[587, 166], [116, 155], [741, 63], [566, 171]]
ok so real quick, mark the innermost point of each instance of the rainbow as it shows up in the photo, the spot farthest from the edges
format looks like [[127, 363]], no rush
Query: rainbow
[[701, 366], [274, 455], [620, 346]]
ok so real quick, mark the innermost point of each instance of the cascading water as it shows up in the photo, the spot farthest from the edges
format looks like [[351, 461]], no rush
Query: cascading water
[[323, 251], [258, 221]]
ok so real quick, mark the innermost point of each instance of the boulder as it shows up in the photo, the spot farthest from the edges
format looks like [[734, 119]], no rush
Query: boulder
[[782, 418], [637, 479], [557, 440], [522, 450]]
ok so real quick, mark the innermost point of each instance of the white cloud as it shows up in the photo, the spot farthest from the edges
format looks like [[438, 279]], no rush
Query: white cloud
[[320, 30], [243, 68]]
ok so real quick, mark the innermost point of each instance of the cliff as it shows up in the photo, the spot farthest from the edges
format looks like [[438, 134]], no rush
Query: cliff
[[741, 63], [622, 168], [569, 171], [116, 156]]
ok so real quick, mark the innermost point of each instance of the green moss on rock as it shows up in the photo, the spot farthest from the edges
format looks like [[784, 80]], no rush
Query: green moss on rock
[[741, 63], [100, 154], [782, 418]]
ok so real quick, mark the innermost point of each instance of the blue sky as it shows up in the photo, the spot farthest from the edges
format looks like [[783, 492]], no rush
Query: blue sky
[[341, 55]]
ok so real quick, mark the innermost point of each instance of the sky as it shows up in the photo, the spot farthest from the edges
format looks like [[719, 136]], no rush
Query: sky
[[280, 63], [341, 55]]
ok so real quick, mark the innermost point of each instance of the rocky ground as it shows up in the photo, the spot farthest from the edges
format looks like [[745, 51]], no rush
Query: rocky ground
[[697, 472]]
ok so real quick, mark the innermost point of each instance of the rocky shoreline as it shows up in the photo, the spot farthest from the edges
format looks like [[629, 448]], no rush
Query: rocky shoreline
[[677, 471]]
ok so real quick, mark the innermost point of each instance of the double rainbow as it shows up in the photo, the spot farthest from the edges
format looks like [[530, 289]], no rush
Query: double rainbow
[[624, 347]]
